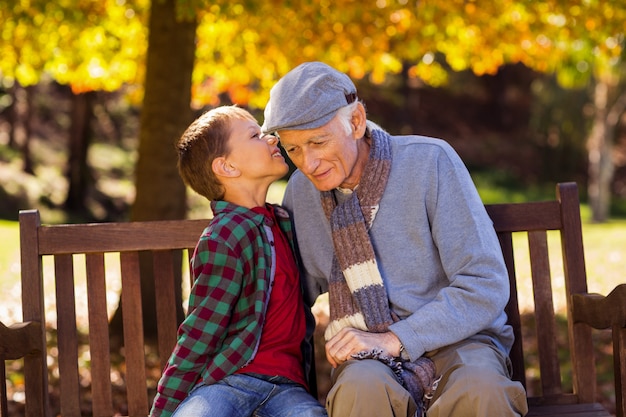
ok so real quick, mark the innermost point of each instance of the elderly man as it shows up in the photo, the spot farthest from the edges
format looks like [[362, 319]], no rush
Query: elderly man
[[393, 228]]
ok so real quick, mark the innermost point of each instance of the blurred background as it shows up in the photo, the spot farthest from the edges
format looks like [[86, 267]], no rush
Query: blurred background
[[93, 95]]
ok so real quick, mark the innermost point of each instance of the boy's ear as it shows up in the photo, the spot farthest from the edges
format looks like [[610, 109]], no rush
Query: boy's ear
[[223, 168]]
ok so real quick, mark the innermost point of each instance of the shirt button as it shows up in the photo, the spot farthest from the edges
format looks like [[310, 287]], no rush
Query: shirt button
[[272, 243]]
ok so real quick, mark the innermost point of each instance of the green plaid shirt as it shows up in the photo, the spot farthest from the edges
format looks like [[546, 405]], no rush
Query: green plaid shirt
[[233, 269]]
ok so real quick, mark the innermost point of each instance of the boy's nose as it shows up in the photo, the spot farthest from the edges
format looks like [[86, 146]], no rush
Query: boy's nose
[[271, 139]]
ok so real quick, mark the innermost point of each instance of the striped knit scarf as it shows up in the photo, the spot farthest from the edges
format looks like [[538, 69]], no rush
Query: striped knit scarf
[[357, 294]]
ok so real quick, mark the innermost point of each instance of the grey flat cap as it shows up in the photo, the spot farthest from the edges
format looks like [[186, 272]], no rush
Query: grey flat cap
[[307, 97]]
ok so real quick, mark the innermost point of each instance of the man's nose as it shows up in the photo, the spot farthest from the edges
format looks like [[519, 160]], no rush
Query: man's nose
[[310, 162]]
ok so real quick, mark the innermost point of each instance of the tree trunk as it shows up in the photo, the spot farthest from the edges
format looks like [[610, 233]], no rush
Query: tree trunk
[[78, 173], [12, 116], [20, 119], [166, 112], [600, 148]]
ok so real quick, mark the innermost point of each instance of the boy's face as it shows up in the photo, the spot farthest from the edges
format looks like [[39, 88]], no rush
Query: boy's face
[[257, 156]]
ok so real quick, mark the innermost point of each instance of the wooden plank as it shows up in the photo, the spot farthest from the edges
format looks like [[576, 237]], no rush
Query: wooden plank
[[165, 290], [32, 279], [601, 312], [4, 406], [19, 339], [16, 341], [572, 240], [522, 217], [581, 345], [512, 310], [190, 252], [136, 390], [569, 410], [547, 348], [67, 338], [99, 348], [35, 366], [119, 237], [608, 312], [619, 369]]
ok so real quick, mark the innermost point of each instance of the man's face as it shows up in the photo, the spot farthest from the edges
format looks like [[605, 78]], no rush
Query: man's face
[[326, 155]]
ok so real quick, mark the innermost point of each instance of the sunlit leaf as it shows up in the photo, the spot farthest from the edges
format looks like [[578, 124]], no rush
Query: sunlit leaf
[[244, 46]]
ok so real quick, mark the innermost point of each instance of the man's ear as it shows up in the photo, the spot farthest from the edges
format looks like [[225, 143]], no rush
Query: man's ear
[[223, 168], [359, 121]]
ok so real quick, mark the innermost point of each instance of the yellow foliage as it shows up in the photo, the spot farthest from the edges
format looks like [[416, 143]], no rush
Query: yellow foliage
[[432, 74], [26, 74], [243, 47], [89, 45]]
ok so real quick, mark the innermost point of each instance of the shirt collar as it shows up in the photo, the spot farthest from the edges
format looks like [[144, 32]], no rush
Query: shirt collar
[[223, 207]]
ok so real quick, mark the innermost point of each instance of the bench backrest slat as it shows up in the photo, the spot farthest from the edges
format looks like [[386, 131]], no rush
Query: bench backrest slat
[[67, 335], [99, 345], [512, 308], [119, 237], [549, 368], [522, 217], [133, 334], [165, 290]]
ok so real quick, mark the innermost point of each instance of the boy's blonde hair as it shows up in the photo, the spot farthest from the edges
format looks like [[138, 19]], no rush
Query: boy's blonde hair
[[203, 141]]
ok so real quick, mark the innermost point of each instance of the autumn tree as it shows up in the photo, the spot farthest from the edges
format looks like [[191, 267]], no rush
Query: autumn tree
[[95, 46], [582, 43], [242, 48], [86, 45], [166, 112], [177, 53]]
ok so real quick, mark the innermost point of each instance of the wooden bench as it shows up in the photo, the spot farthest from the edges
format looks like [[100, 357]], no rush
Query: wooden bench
[[537, 218], [166, 238]]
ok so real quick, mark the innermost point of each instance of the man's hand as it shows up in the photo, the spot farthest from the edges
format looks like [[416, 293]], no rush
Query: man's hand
[[350, 341]]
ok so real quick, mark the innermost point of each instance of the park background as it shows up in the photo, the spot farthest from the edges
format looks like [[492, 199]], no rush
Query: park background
[[94, 93]]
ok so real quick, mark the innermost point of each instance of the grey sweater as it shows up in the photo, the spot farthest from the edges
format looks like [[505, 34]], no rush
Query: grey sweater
[[435, 246]]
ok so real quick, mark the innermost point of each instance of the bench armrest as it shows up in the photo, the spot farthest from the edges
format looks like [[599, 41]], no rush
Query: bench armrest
[[20, 339], [602, 312]]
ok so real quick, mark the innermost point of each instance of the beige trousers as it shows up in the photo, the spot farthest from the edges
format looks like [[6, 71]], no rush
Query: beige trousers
[[474, 382]]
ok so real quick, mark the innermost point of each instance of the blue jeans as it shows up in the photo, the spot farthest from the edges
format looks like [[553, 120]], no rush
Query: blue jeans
[[244, 395]]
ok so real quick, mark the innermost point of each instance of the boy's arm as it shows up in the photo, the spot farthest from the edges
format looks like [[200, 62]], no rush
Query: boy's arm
[[201, 335]]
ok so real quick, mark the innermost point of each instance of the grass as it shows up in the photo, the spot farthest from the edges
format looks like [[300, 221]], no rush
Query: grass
[[605, 256], [605, 252], [9, 271]]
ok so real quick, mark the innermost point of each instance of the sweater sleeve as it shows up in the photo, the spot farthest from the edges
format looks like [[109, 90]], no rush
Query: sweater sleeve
[[473, 288]]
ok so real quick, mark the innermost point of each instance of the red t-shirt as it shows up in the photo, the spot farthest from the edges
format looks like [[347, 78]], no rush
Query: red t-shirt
[[279, 352]]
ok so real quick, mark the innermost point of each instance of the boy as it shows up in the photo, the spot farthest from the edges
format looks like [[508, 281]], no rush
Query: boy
[[241, 350]]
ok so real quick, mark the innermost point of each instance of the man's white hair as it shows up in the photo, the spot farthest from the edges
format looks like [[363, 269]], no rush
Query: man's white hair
[[344, 114]]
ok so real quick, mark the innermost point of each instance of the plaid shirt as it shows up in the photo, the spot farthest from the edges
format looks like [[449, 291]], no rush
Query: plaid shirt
[[233, 269]]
